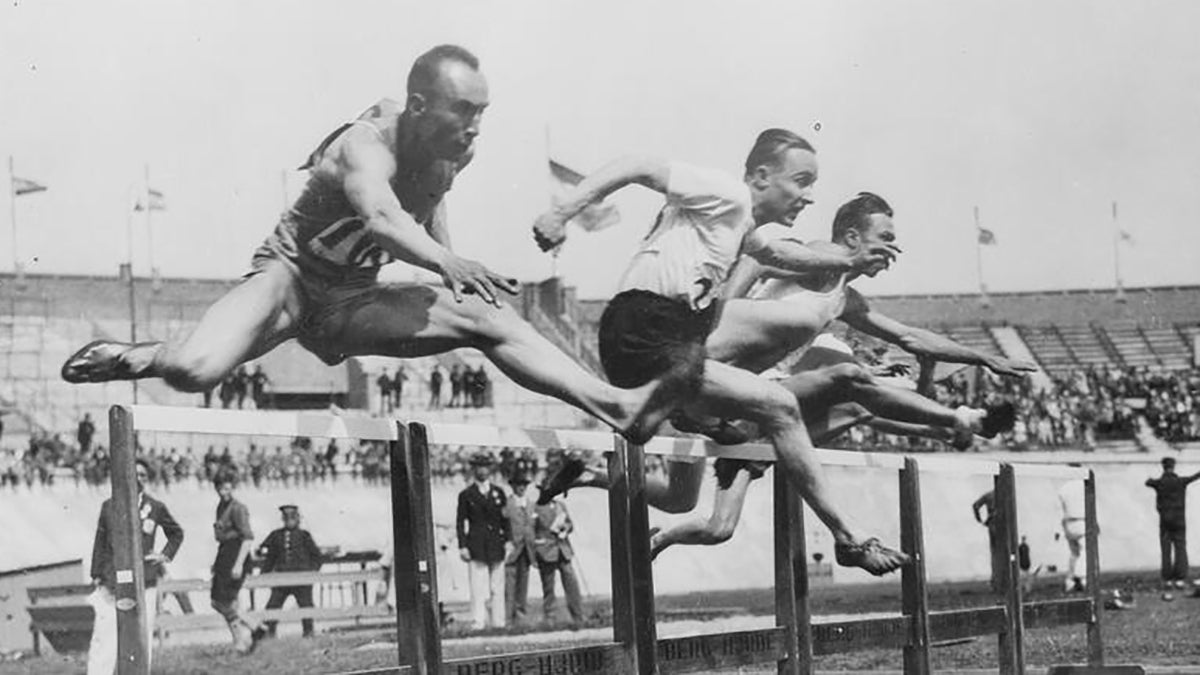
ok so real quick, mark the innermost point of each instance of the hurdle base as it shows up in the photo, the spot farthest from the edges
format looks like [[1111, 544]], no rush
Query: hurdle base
[[1122, 669]]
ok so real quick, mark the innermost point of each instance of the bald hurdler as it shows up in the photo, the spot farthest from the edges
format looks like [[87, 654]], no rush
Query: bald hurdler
[[786, 314], [374, 195], [671, 296]]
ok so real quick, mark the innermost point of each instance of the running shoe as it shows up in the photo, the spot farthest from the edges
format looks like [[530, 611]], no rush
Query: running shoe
[[871, 556], [997, 419], [560, 481], [98, 361]]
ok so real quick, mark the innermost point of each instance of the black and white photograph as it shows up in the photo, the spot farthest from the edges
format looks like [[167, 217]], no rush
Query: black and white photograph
[[383, 337]]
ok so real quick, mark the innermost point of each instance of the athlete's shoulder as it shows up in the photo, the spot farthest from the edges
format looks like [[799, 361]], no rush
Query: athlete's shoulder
[[384, 110], [699, 186]]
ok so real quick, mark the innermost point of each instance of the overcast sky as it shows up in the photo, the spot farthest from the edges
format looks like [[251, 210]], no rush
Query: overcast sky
[[1041, 114]]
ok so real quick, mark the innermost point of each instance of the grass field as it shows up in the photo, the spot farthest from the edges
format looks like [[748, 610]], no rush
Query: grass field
[[1153, 633]]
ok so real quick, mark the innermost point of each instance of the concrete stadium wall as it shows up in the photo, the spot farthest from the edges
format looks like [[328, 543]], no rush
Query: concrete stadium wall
[[43, 525]]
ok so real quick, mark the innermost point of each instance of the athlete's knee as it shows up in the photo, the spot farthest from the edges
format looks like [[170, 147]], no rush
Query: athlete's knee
[[190, 370], [777, 407], [849, 376]]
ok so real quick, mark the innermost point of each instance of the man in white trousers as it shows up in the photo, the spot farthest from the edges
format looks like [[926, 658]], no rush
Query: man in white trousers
[[484, 535], [153, 514], [1074, 526]]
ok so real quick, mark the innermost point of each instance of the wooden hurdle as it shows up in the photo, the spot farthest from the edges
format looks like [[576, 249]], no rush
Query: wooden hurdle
[[635, 646]]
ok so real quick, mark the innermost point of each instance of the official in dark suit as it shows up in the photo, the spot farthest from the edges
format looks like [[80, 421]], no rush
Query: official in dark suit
[[483, 534], [552, 527], [290, 549], [102, 652], [522, 556]]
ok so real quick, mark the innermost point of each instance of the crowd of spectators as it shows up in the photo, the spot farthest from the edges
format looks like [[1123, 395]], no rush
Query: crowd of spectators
[[469, 387], [1075, 410]]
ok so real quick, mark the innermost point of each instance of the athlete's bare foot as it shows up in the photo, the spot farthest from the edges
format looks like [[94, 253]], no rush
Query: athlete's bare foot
[[662, 396], [870, 555], [101, 361]]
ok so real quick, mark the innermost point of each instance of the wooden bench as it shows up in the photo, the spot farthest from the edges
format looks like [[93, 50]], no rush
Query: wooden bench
[[63, 615]]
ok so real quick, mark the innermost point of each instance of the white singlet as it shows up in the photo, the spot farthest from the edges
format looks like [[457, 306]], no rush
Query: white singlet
[[820, 308], [697, 237]]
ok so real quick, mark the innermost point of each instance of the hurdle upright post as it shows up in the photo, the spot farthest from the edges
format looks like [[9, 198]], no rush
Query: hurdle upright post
[[791, 579], [1011, 641], [1092, 546], [132, 645], [914, 596], [418, 625], [624, 622], [645, 626]]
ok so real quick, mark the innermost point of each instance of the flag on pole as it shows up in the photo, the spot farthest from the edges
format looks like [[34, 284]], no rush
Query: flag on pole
[[153, 201], [1125, 236], [987, 237], [593, 217], [24, 186]]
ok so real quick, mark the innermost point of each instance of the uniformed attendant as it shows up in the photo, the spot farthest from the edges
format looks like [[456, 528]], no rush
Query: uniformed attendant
[[483, 541], [522, 555], [290, 549]]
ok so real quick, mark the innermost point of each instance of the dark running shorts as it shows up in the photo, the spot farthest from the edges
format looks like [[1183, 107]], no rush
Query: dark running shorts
[[727, 469], [644, 334]]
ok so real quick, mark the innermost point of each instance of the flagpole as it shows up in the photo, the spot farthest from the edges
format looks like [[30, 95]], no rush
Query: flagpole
[[1120, 297], [129, 269], [149, 225], [12, 210], [983, 295], [553, 253]]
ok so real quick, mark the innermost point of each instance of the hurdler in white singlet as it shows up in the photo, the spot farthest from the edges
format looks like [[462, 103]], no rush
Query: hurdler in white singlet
[[696, 239]]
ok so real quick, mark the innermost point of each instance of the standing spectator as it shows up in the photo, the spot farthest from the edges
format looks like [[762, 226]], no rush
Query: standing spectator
[[992, 520], [521, 557], [153, 514], [552, 528], [1074, 526], [235, 540], [331, 459], [435, 388], [1171, 501], [398, 381], [483, 536], [483, 386], [456, 386], [207, 393], [257, 461], [85, 433], [385, 392], [1, 425], [290, 549], [259, 382], [241, 383], [227, 391]]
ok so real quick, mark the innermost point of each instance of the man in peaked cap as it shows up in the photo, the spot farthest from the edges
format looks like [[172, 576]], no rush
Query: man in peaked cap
[[483, 541], [290, 549], [522, 556]]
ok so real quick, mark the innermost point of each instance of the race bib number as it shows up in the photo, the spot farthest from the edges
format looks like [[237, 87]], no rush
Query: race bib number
[[346, 243]]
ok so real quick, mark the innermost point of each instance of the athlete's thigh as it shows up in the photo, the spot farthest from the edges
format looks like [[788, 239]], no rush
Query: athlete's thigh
[[734, 393], [826, 423], [402, 320], [728, 503], [247, 321]]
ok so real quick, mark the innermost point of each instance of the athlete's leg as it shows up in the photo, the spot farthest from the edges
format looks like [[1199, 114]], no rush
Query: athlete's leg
[[717, 528], [413, 320], [677, 492], [246, 322], [736, 393]]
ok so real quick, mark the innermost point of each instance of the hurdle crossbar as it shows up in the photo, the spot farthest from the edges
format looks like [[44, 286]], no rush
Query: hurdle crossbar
[[635, 646]]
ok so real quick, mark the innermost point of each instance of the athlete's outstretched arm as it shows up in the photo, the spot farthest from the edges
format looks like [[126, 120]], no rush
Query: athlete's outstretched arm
[[550, 228], [921, 342], [791, 257], [365, 170]]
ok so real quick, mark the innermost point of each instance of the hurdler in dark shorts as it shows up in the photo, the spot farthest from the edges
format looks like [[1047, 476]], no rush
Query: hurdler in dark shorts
[[643, 335]]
